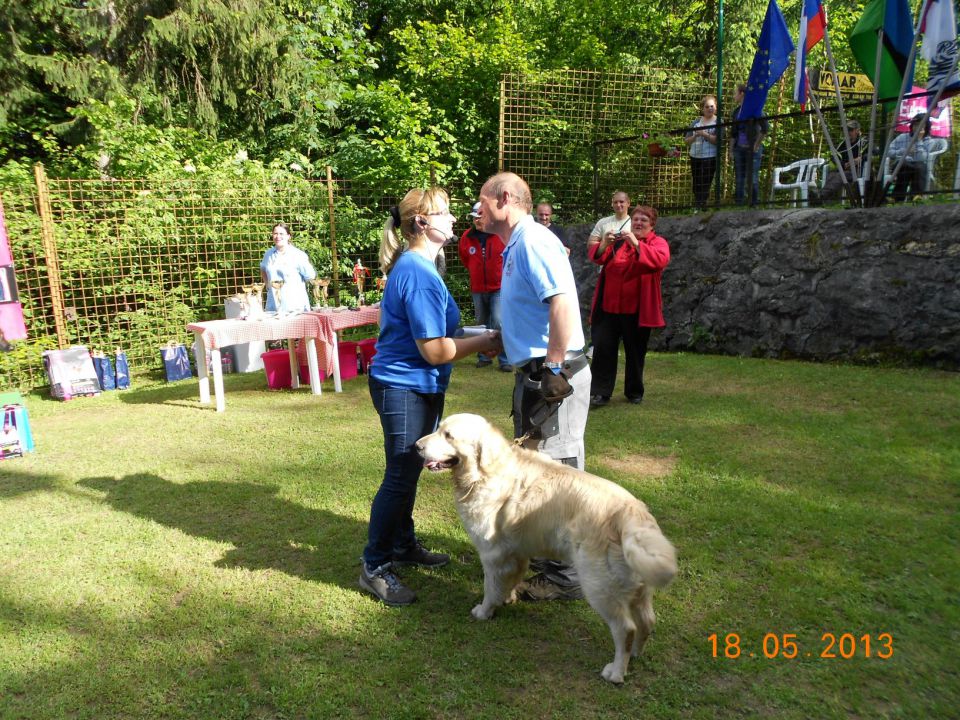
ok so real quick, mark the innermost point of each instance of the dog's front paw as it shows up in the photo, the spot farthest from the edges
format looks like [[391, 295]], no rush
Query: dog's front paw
[[612, 673], [482, 613]]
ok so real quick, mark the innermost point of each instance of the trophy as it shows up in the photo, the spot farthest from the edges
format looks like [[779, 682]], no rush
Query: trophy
[[320, 287], [277, 286], [360, 274], [252, 295], [241, 299]]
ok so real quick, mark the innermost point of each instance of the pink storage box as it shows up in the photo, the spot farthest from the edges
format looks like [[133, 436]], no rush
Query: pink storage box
[[276, 365], [348, 359], [368, 348]]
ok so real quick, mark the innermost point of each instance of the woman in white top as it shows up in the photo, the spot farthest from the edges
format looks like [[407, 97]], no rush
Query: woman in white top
[[702, 140], [290, 265]]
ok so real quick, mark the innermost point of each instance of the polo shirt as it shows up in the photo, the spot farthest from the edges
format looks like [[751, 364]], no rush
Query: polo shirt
[[535, 268]]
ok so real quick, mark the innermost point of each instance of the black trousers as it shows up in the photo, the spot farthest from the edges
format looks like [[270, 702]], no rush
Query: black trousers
[[702, 171], [912, 176], [607, 332]]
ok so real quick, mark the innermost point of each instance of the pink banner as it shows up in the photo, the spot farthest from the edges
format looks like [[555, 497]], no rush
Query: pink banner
[[940, 125], [11, 312]]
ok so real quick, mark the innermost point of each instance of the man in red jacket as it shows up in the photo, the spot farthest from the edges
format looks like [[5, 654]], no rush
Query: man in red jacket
[[482, 255]]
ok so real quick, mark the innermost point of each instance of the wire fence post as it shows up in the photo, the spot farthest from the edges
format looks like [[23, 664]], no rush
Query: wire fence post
[[503, 97], [50, 253], [334, 262]]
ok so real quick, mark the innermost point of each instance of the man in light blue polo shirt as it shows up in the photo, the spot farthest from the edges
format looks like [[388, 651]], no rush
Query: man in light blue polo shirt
[[543, 339], [540, 322]]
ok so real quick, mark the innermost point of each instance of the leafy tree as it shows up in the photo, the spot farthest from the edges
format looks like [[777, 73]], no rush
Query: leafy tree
[[268, 71]]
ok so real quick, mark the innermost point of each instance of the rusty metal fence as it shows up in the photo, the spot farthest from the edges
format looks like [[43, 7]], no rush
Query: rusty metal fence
[[577, 136], [127, 264]]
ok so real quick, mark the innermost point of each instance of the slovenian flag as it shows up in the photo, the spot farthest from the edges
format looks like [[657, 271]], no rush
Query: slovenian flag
[[939, 28], [813, 22]]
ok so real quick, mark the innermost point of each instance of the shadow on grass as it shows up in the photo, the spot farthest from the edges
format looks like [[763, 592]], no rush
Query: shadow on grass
[[186, 393], [163, 394], [14, 482], [265, 531]]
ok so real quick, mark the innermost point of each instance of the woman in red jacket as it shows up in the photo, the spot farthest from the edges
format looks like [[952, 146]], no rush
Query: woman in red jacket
[[626, 303]]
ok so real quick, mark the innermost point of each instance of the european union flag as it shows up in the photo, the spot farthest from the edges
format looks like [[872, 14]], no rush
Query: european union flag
[[770, 62]]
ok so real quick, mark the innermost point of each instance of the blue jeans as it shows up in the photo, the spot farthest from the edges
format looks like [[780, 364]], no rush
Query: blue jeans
[[486, 307], [741, 161], [406, 416]]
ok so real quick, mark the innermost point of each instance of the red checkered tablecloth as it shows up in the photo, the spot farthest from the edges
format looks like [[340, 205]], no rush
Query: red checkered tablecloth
[[331, 321], [221, 333]]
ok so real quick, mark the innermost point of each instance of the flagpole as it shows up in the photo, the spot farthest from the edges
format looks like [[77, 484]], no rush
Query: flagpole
[[844, 126], [903, 87], [720, 139], [834, 153], [873, 109]]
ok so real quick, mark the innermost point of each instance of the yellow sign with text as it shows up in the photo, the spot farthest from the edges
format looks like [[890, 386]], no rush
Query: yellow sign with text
[[850, 84]]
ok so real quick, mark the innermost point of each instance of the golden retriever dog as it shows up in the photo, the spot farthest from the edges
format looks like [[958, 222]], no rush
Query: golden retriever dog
[[517, 504]]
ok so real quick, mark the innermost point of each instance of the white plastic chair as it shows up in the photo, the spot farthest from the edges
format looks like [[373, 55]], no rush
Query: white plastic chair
[[807, 171], [938, 146]]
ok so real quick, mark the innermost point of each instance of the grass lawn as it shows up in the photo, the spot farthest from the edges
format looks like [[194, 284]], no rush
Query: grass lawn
[[160, 560]]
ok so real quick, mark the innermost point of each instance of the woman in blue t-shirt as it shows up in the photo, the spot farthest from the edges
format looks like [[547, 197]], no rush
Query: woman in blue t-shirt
[[408, 379]]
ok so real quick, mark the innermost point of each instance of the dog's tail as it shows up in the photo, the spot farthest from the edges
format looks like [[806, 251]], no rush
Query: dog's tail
[[649, 553]]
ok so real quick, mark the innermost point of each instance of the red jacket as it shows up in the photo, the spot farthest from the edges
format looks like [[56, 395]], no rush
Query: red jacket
[[631, 279], [483, 260]]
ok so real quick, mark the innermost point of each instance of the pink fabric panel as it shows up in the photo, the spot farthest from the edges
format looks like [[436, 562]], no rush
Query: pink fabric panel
[[5, 257], [11, 321]]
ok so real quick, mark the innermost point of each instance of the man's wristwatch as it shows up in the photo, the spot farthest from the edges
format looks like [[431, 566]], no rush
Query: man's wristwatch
[[554, 367]]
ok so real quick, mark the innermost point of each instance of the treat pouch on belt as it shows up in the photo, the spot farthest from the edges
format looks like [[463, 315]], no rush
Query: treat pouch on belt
[[534, 416]]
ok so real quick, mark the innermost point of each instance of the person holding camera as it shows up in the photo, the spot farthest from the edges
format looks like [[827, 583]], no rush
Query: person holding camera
[[620, 203], [626, 303]]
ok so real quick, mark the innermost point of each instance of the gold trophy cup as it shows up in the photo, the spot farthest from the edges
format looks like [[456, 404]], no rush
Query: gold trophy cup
[[319, 287], [277, 286]]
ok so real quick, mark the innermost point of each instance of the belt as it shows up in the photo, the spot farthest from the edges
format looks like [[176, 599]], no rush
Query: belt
[[573, 362]]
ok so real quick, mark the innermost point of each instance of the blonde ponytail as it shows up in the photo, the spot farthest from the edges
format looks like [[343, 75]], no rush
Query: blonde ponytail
[[400, 231]]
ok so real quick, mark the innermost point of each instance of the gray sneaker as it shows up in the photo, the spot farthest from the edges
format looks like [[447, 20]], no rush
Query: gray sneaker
[[419, 555], [385, 584]]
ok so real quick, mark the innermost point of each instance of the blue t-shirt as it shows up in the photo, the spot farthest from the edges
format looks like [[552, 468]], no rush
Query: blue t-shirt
[[535, 268], [416, 305]]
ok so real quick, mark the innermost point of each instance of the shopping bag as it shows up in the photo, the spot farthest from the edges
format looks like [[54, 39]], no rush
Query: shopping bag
[[176, 362], [105, 373], [71, 372], [123, 370]]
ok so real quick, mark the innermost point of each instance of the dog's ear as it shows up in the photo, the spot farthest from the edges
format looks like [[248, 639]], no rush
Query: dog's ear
[[490, 449]]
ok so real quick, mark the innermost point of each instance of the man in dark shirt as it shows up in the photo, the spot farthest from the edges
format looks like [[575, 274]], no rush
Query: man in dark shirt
[[834, 184], [545, 218]]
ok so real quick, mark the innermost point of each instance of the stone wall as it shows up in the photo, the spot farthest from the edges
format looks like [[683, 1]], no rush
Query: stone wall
[[854, 285]]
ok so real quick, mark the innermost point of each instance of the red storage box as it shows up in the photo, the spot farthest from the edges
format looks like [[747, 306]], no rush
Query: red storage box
[[368, 348], [348, 359], [276, 365]]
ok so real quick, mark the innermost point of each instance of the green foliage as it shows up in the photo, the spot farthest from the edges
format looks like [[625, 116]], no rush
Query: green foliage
[[393, 138]]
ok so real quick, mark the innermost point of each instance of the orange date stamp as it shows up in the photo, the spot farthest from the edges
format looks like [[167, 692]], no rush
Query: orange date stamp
[[843, 646]]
